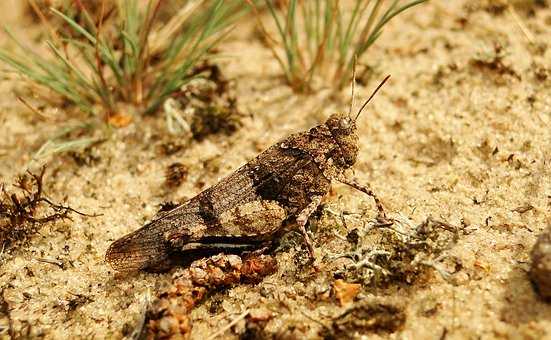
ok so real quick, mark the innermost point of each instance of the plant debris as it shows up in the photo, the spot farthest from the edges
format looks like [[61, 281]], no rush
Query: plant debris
[[402, 252], [175, 174], [524, 208], [19, 210], [170, 148], [206, 105], [167, 206], [5, 313], [255, 325], [75, 301], [373, 315], [540, 271], [170, 317], [493, 62], [89, 156], [345, 292]]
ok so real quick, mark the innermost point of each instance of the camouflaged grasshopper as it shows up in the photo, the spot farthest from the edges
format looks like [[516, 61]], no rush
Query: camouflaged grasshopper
[[248, 209]]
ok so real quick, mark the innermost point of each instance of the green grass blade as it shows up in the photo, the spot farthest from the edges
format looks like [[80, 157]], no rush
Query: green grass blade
[[78, 28], [81, 81], [106, 54]]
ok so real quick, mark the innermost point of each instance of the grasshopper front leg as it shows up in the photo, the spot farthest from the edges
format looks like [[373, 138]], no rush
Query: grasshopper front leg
[[352, 182]]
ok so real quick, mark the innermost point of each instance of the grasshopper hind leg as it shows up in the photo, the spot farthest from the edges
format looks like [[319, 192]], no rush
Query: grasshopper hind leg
[[302, 219], [194, 250]]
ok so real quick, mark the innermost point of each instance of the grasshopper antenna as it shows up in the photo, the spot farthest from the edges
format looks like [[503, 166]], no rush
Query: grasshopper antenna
[[353, 86], [371, 97]]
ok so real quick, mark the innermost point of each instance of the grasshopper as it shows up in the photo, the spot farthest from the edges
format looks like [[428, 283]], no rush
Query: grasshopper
[[249, 209]]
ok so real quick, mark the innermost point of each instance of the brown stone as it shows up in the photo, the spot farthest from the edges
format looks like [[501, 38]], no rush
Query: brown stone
[[540, 271]]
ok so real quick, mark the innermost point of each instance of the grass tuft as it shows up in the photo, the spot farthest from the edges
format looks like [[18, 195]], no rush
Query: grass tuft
[[127, 57], [108, 61], [322, 37]]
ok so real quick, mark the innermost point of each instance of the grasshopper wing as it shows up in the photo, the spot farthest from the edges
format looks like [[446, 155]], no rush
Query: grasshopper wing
[[246, 207]]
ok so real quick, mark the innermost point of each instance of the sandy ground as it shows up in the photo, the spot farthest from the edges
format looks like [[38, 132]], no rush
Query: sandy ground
[[456, 134]]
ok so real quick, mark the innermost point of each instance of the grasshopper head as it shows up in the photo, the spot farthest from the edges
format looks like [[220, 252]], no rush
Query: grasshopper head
[[343, 130]]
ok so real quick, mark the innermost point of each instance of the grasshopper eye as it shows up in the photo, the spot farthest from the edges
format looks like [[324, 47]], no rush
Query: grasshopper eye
[[345, 124]]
